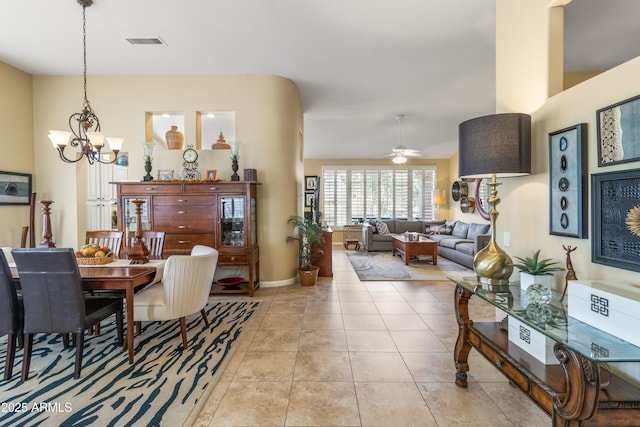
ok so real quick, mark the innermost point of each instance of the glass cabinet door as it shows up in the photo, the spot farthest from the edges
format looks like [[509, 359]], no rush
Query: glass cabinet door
[[232, 210], [130, 214]]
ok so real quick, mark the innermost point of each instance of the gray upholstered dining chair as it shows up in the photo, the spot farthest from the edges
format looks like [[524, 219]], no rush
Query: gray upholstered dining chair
[[184, 289], [54, 301], [11, 313]]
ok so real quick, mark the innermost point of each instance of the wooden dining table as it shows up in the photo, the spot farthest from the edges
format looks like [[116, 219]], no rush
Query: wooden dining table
[[117, 278]]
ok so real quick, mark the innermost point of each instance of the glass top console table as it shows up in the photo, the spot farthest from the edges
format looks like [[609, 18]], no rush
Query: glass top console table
[[575, 392]]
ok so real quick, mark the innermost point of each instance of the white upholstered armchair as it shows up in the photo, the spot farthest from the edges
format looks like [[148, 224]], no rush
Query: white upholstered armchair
[[184, 289]]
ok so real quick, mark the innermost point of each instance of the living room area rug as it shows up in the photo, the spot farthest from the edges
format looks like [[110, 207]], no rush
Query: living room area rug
[[370, 266], [166, 385]]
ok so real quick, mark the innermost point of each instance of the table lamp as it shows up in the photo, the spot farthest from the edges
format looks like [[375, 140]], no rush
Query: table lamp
[[494, 146]]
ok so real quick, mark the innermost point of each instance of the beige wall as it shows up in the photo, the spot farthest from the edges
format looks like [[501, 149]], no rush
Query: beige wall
[[16, 120], [268, 124], [525, 201]]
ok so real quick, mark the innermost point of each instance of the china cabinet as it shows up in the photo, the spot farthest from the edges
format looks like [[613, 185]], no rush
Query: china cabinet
[[222, 215]]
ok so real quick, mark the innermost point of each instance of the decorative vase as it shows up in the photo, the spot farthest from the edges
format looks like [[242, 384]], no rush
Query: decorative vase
[[174, 138]]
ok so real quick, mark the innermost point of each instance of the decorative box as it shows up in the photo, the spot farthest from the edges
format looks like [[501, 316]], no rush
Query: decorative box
[[605, 307], [533, 342]]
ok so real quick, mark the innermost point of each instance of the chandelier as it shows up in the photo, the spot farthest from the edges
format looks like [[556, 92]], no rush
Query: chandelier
[[90, 142]]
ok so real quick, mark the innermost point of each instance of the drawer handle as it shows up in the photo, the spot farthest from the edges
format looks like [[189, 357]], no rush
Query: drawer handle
[[150, 188], [498, 363], [233, 258], [182, 200], [214, 188], [182, 242], [183, 212], [184, 226]]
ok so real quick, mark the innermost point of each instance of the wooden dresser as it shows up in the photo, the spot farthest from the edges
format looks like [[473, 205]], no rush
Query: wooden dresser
[[217, 214]]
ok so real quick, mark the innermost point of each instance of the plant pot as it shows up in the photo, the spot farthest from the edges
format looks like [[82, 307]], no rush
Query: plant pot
[[527, 280], [308, 277]]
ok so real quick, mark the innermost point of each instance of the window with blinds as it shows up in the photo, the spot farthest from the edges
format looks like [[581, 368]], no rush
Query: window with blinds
[[352, 194]]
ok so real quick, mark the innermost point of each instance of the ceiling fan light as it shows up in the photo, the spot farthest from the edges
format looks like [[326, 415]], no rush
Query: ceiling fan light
[[399, 159]]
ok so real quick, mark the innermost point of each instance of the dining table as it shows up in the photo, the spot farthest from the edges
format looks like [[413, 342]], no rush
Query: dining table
[[120, 276]]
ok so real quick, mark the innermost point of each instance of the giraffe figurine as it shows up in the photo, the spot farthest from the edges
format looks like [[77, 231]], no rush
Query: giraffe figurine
[[571, 273]]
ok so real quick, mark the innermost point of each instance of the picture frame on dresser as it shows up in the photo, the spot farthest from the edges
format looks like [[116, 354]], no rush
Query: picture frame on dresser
[[568, 182], [618, 128], [165, 175], [615, 203], [15, 188]]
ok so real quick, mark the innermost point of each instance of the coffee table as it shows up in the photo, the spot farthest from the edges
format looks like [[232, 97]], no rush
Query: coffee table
[[414, 248]]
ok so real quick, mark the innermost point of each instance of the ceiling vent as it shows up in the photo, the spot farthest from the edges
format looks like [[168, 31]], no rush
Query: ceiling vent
[[154, 40]]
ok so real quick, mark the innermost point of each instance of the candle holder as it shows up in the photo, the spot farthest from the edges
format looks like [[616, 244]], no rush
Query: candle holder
[[235, 149], [148, 156], [46, 225]]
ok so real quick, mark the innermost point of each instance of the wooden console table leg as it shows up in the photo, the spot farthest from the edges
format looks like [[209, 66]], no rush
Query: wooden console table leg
[[463, 347], [583, 388]]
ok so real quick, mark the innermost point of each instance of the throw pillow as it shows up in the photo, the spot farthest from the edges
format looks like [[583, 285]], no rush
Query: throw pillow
[[382, 227], [374, 229], [441, 229]]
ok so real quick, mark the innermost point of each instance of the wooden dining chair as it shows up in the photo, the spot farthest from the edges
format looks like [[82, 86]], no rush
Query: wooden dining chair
[[111, 239], [54, 301], [11, 313], [154, 240], [183, 290]]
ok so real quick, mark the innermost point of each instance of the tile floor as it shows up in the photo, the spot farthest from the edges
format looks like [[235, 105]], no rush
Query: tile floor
[[352, 353]]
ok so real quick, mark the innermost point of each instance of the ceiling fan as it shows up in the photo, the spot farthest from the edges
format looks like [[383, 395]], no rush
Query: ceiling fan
[[400, 153]]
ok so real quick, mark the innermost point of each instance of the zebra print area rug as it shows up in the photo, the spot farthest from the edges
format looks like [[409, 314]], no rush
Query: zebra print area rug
[[163, 387]]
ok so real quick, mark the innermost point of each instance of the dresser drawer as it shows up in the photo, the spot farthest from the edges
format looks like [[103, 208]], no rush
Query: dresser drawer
[[187, 225], [233, 259], [182, 200], [205, 188], [188, 240], [148, 188], [181, 214]]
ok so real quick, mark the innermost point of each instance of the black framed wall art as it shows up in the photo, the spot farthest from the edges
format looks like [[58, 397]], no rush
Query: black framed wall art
[[310, 183], [619, 132], [568, 181], [15, 188], [615, 206]]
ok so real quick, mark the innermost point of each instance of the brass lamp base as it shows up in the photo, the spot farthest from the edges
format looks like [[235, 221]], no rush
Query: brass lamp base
[[493, 265]]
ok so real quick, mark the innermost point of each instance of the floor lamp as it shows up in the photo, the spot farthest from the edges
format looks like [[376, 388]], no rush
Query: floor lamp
[[494, 146]]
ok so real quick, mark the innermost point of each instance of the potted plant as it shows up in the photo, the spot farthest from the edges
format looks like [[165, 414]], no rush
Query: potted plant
[[536, 271], [308, 234]]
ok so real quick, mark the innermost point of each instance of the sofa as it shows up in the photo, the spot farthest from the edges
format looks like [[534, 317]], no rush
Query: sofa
[[458, 241]]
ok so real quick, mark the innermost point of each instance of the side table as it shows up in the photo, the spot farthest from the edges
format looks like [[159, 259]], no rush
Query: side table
[[351, 235]]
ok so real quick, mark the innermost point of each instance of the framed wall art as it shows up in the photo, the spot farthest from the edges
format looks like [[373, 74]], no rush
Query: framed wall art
[[310, 183], [619, 132], [568, 182], [615, 203], [309, 199], [15, 188]]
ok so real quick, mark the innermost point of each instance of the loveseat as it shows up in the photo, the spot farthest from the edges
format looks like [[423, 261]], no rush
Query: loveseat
[[458, 241]]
